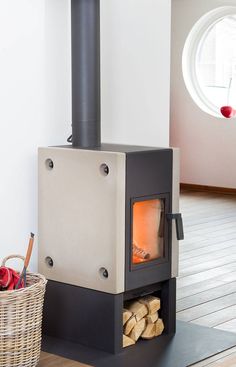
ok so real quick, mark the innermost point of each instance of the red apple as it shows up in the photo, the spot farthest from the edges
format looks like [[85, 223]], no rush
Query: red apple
[[227, 111]]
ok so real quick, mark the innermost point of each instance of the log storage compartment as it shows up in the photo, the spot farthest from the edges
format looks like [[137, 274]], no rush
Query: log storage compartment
[[148, 316]]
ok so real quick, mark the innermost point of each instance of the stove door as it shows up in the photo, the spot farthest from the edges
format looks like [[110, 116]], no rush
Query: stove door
[[148, 229]]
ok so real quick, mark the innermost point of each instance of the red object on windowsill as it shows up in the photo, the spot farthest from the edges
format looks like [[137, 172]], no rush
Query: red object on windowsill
[[228, 111], [8, 279]]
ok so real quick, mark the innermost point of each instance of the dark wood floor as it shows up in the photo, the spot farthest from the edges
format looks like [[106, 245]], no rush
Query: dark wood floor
[[206, 292], [50, 360]]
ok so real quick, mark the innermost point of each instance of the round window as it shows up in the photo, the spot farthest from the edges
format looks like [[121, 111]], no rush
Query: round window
[[209, 60]]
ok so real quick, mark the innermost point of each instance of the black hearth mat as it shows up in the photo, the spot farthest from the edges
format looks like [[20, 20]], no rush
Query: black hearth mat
[[191, 344]]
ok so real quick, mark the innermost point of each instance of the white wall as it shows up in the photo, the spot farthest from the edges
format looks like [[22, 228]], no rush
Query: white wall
[[35, 97], [21, 119], [29, 117], [57, 78], [135, 71], [207, 143], [135, 67]]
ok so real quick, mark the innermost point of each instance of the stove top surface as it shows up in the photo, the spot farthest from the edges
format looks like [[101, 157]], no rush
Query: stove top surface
[[122, 148]]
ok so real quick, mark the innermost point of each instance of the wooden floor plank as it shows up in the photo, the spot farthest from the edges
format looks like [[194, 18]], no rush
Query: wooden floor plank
[[50, 360], [199, 287], [216, 358], [206, 275], [202, 297], [217, 318], [228, 326], [190, 221], [199, 259], [192, 269], [207, 308], [205, 248], [208, 229], [229, 361], [208, 212], [191, 227], [206, 288]]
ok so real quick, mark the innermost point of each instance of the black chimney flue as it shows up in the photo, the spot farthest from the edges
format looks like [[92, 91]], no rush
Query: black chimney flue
[[86, 115]]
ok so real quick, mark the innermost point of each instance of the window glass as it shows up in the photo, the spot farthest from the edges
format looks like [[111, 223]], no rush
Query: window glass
[[209, 60], [216, 62]]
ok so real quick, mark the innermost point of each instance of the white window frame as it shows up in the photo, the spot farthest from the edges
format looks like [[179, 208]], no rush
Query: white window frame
[[196, 36]]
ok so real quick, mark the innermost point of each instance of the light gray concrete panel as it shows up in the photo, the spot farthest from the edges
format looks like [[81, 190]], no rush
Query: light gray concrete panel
[[82, 217]]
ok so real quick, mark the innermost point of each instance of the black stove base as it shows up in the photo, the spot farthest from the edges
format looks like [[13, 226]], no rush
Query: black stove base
[[190, 344], [94, 319]]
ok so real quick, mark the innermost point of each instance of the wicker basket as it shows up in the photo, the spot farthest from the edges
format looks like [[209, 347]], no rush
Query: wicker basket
[[20, 322]]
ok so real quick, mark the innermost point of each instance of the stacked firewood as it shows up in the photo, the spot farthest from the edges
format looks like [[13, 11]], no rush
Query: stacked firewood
[[141, 319]]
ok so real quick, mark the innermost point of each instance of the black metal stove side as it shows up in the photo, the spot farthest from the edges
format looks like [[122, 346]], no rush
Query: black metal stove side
[[94, 319]]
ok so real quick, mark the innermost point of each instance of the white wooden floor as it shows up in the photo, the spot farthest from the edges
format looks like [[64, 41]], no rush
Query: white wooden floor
[[206, 293], [207, 283], [225, 359]]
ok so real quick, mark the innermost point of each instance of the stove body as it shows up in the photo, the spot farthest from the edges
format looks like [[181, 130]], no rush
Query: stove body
[[106, 235]]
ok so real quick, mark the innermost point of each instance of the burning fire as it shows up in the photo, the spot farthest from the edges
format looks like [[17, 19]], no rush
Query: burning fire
[[146, 223]]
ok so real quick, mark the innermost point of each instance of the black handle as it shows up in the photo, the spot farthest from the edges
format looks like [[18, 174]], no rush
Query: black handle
[[178, 223]]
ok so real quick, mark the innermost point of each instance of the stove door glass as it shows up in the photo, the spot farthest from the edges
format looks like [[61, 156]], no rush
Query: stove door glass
[[148, 230]]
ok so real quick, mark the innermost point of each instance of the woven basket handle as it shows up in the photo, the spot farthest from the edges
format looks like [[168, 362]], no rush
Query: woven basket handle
[[12, 257]]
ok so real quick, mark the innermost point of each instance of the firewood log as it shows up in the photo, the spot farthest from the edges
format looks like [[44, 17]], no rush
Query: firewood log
[[126, 315], [137, 330], [129, 325], [127, 341], [152, 318], [139, 309], [139, 252], [159, 327], [149, 332], [152, 303]]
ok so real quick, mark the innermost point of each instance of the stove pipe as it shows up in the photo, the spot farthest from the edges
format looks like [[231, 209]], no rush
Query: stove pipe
[[85, 33]]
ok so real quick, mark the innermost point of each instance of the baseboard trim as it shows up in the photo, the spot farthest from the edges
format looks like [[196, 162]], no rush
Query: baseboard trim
[[219, 190]]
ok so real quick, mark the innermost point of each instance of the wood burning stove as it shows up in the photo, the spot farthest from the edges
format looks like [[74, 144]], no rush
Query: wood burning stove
[[106, 211], [105, 236]]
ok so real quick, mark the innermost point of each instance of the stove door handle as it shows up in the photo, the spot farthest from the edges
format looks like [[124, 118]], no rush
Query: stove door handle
[[178, 224]]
